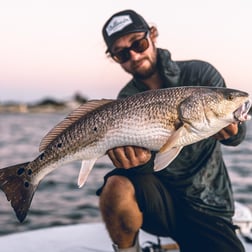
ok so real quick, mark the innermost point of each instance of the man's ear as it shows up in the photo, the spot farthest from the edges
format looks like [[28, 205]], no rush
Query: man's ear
[[153, 33]]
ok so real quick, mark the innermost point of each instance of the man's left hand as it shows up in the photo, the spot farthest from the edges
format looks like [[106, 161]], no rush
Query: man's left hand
[[227, 132]]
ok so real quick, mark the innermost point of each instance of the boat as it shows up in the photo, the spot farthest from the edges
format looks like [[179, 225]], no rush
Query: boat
[[93, 237]]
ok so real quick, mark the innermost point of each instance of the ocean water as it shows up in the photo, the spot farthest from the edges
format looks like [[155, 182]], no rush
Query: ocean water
[[58, 200]]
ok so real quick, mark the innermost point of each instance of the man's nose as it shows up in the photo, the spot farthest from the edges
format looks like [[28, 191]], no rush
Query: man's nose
[[134, 55]]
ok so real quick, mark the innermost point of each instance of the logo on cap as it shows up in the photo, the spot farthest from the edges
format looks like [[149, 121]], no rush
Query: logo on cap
[[118, 23]]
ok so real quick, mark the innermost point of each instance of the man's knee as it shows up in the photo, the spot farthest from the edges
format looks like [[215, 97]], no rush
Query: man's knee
[[118, 204], [117, 191], [117, 185]]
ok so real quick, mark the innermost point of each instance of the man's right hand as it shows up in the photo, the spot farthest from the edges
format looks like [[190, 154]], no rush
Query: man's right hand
[[129, 156]]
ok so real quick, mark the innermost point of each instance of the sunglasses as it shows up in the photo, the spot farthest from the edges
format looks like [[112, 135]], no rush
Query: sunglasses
[[138, 46]]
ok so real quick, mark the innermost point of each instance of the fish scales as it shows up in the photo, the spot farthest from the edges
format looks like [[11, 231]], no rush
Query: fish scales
[[162, 120], [131, 118], [140, 117]]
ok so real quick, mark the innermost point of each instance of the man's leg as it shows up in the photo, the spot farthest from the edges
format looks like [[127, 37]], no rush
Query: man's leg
[[120, 211], [200, 232]]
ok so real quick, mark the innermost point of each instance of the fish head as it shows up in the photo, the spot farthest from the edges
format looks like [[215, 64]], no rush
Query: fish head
[[230, 105], [208, 110]]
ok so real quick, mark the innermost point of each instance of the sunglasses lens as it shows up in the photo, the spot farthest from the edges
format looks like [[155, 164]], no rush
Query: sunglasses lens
[[122, 56], [140, 45]]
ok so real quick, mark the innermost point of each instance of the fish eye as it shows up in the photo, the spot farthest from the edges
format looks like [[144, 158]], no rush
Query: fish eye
[[230, 97]]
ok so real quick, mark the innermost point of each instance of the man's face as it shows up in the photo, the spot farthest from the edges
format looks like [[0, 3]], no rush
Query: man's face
[[140, 64]]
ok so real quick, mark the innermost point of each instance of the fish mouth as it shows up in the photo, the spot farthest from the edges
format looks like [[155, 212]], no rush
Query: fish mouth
[[241, 114]]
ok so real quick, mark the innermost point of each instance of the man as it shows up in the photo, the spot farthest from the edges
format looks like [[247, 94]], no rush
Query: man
[[190, 200]]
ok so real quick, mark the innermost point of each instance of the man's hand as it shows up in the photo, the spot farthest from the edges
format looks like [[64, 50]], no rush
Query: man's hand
[[129, 156], [227, 132]]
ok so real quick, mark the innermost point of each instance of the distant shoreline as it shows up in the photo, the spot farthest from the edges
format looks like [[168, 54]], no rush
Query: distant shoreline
[[45, 106]]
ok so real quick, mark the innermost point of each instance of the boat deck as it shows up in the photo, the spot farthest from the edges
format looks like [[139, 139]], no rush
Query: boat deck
[[76, 238]]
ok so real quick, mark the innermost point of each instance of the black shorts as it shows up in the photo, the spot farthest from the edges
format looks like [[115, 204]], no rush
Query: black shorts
[[164, 216]]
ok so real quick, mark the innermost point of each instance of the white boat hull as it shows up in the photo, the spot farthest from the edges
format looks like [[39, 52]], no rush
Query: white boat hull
[[75, 238], [94, 237]]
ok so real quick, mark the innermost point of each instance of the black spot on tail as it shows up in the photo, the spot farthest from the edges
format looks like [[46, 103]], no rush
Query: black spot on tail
[[20, 171], [59, 145], [41, 156], [18, 188], [26, 184]]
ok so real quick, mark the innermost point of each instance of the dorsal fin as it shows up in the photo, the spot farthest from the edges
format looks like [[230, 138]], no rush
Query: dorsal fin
[[74, 116]]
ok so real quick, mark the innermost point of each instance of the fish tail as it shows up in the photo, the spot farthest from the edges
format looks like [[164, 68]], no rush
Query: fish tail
[[16, 183]]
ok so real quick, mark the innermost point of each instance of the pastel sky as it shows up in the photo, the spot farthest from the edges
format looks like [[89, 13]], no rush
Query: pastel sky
[[54, 48]]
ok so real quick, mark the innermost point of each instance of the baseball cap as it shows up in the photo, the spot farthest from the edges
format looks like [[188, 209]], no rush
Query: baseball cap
[[122, 23]]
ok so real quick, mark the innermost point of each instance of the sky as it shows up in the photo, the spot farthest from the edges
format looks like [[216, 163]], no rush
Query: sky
[[54, 48]]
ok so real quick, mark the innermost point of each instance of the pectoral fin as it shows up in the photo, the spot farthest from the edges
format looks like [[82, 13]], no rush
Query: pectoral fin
[[86, 168], [172, 140], [163, 159], [169, 151]]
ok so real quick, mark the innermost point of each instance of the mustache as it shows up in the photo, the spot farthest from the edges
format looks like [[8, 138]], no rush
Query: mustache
[[136, 63], [147, 73]]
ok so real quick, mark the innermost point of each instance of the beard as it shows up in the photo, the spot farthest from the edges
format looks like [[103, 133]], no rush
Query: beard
[[142, 74], [146, 74]]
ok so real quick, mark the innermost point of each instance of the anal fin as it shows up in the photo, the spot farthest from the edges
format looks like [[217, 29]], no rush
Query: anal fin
[[86, 168]]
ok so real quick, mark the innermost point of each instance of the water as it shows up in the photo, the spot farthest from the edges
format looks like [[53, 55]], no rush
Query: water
[[58, 200]]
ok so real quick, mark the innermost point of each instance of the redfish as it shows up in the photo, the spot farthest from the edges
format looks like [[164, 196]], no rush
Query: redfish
[[163, 120]]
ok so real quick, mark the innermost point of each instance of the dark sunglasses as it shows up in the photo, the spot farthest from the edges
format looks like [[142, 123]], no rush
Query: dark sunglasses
[[138, 46]]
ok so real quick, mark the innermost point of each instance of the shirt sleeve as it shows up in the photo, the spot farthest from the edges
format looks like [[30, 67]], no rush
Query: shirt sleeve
[[210, 76]]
